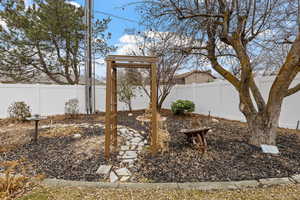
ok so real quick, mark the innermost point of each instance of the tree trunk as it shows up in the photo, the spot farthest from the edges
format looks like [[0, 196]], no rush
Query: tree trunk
[[130, 107], [159, 105], [263, 128]]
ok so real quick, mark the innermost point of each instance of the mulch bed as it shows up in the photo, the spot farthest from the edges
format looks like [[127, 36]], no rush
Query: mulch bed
[[229, 156], [55, 157]]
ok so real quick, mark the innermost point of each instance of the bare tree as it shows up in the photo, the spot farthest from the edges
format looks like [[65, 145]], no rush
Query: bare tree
[[166, 46], [125, 88], [237, 29]]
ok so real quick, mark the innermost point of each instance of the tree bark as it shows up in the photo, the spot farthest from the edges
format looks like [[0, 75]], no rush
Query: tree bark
[[263, 127]]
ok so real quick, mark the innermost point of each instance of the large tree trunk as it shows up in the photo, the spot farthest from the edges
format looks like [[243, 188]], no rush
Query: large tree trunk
[[263, 127]]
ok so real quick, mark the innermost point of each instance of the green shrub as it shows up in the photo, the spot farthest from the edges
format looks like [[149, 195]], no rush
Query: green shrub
[[181, 106], [19, 110]]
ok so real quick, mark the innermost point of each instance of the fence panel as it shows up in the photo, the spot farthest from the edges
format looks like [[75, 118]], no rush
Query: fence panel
[[218, 98]]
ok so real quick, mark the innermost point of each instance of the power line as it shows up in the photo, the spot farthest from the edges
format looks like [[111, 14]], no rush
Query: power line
[[119, 17]]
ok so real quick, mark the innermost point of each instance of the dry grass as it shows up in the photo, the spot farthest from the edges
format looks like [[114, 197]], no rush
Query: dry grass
[[288, 192], [61, 131], [88, 146], [12, 183]]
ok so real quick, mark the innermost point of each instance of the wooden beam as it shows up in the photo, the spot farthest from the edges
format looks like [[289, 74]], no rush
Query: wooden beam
[[108, 111], [114, 108], [132, 65], [143, 59], [154, 109]]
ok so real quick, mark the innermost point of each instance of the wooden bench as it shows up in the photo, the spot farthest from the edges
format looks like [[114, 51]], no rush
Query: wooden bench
[[197, 137]]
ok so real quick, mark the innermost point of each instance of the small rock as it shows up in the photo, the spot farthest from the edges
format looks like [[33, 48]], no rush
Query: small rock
[[215, 120], [113, 177], [76, 136], [104, 169], [124, 178], [123, 172], [44, 126]]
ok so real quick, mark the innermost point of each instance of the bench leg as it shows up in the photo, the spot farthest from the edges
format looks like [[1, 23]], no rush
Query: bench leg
[[202, 143]]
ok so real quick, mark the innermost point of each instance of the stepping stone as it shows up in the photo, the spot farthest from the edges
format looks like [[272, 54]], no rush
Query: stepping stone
[[129, 161], [141, 143], [123, 130], [130, 165], [124, 178], [113, 177], [296, 178], [104, 169], [129, 143], [123, 172], [137, 135], [139, 148], [124, 148], [130, 154], [133, 147]]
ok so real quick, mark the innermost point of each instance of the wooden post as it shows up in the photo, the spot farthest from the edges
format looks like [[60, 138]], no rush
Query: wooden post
[[108, 111], [35, 136], [114, 108], [154, 109], [150, 108]]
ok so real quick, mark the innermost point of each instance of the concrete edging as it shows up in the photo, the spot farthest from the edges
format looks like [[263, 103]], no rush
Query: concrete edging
[[188, 185]]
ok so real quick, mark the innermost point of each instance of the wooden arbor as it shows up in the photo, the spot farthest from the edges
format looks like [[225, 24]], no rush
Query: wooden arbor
[[113, 62]]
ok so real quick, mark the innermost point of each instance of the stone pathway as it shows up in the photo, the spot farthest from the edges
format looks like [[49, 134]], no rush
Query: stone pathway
[[82, 125], [134, 144]]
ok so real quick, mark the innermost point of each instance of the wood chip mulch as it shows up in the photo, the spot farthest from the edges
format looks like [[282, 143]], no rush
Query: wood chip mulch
[[229, 156]]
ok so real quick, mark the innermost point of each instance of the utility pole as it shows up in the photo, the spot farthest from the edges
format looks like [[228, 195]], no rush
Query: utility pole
[[298, 17], [88, 58]]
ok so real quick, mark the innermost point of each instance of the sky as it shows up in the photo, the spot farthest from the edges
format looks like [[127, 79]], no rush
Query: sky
[[118, 27]]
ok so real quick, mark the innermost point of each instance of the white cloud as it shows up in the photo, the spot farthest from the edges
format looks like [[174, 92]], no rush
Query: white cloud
[[77, 5], [3, 24], [127, 44], [130, 39]]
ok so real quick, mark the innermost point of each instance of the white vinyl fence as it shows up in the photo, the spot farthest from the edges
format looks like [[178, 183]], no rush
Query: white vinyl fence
[[219, 98]]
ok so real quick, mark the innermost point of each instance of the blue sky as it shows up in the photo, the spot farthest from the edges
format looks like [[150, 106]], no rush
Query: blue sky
[[117, 26], [120, 9]]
